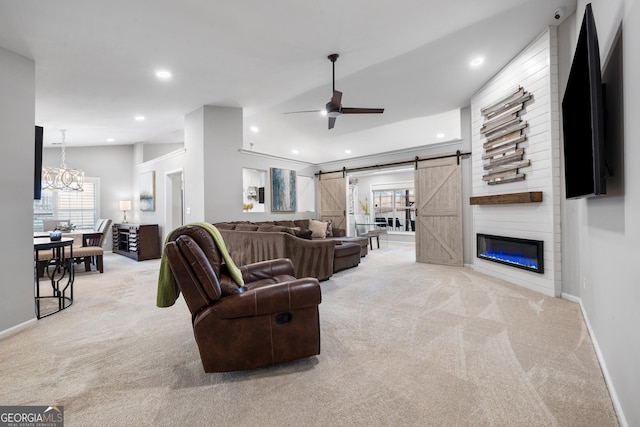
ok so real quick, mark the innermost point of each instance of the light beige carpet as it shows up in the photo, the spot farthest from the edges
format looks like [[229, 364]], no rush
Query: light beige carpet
[[403, 344]]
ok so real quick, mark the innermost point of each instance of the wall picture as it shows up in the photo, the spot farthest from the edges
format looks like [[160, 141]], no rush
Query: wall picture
[[283, 190], [148, 191]]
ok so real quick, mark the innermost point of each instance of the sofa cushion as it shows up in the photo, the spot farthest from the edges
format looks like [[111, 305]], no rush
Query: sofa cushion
[[318, 228], [247, 227], [225, 226], [302, 223], [276, 229], [290, 224], [265, 227]]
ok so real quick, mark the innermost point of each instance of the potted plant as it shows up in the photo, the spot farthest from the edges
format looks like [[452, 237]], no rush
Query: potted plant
[[364, 207]]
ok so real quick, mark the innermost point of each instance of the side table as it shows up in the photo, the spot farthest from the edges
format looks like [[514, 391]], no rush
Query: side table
[[58, 267]]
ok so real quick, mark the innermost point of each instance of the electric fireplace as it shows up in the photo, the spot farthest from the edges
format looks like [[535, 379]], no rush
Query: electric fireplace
[[520, 253]]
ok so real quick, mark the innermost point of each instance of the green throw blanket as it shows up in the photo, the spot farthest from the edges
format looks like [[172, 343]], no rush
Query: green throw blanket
[[168, 290]]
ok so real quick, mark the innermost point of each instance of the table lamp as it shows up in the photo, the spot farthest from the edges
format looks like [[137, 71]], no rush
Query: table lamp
[[125, 205]]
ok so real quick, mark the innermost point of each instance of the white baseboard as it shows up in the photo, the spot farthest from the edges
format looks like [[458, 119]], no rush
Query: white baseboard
[[603, 366], [15, 329]]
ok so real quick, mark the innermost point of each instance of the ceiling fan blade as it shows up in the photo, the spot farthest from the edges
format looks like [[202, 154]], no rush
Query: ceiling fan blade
[[336, 99], [305, 111], [346, 110], [332, 122]]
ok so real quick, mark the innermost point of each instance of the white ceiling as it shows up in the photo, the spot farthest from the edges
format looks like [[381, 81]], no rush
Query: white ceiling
[[96, 62]]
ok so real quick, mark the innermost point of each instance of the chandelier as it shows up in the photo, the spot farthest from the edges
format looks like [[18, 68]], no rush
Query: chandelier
[[62, 178]]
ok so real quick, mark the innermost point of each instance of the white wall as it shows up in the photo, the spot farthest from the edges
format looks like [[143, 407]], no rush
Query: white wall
[[153, 151], [602, 235], [17, 120], [161, 166], [535, 70], [213, 172], [112, 164]]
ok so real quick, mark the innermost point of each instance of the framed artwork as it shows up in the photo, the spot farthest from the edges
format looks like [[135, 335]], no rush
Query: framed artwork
[[148, 191], [283, 190]]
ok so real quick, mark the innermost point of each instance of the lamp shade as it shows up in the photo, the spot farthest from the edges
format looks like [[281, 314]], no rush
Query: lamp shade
[[125, 205]]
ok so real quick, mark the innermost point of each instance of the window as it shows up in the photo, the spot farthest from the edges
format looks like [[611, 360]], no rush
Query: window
[[395, 207], [79, 207]]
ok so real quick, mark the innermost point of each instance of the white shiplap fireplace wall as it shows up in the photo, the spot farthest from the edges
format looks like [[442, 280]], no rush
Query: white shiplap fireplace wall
[[535, 69]]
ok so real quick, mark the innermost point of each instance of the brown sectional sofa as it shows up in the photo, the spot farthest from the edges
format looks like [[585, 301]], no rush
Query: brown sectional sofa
[[250, 242]]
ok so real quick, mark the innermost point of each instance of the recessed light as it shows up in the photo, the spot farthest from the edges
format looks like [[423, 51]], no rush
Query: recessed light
[[110, 139], [254, 129], [347, 151], [163, 74], [440, 135], [294, 151], [139, 118], [323, 112], [476, 62]]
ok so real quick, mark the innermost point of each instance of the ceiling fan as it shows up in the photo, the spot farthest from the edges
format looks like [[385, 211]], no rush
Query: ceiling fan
[[334, 107]]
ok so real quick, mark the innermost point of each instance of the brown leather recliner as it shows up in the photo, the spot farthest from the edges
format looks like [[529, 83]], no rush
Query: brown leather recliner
[[272, 319]]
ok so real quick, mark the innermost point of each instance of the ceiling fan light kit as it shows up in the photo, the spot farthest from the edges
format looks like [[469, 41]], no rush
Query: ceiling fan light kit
[[334, 107]]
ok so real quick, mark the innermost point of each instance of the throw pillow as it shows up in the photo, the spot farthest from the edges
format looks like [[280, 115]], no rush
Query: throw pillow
[[318, 228], [304, 233], [329, 228]]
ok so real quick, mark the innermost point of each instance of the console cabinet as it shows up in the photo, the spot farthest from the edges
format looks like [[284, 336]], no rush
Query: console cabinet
[[137, 241]]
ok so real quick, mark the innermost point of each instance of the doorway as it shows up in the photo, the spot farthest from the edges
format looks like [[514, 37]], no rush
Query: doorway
[[174, 206], [384, 197]]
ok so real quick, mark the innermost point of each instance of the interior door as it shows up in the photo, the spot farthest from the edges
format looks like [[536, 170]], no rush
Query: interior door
[[333, 199], [438, 185], [174, 201]]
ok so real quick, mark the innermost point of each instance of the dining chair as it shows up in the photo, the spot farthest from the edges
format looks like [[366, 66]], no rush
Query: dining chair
[[98, 225], [91, 251], [105, 224], [381, 222], [365, 230]]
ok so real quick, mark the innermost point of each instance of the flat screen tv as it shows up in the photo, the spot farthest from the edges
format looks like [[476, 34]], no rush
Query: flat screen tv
[[583, 116], [37, 167]]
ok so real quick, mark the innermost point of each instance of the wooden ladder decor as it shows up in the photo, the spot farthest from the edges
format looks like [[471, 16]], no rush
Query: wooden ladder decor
[[503, 129]]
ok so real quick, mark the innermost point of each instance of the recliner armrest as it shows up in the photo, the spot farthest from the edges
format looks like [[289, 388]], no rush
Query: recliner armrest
[[270, 299], [267, 269]]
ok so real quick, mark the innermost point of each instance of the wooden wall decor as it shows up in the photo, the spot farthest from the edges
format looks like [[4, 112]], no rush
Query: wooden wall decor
[[503, 129], [502, 199]]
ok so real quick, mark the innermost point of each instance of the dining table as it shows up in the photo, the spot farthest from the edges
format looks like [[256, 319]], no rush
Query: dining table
[[78, 236]]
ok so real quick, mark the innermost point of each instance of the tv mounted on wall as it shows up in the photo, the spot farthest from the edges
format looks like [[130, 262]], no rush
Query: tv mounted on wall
[[37, 167], [583, 115]]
